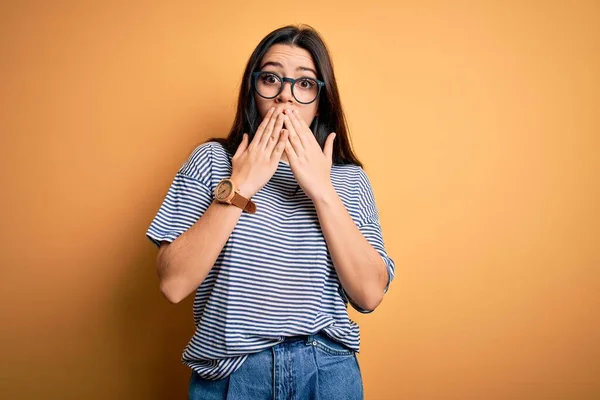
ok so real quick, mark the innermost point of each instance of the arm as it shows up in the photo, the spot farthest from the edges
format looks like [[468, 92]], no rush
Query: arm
[[360, 268], [198, 227], [183, 264], [357, 254]]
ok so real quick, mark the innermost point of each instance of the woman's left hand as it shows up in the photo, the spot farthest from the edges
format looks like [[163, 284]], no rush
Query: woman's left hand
[[311, 165]]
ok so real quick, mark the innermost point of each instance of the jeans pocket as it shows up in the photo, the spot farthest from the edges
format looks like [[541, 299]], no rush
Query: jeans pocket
[[331, 347], [339, 376]]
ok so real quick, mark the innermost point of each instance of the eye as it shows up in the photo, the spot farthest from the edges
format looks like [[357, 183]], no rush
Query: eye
[[306, 83], [269, 79]]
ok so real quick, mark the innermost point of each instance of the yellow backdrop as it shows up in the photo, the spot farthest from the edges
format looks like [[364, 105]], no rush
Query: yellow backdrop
[[478, 125]]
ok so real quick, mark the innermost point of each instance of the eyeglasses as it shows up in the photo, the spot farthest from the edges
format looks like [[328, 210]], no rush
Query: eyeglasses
[[269, 85]]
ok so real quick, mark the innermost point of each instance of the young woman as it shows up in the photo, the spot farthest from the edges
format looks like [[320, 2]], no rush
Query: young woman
[[275, 229]]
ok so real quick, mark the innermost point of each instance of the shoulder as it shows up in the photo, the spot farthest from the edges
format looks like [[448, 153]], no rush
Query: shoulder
[[204, 158], [208, 152], [350, 181], [351, 174], [352, 184]]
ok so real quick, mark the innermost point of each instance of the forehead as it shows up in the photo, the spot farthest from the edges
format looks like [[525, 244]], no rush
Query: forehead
[[287, 55]]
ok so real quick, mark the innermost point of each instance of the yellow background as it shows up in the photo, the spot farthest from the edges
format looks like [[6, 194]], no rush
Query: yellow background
[[478, 124]]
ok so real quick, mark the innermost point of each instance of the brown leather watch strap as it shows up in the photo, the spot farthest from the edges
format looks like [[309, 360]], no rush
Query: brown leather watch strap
[[243, 203]]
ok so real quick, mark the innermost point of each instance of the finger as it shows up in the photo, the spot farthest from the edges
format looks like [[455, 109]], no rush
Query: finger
[[328, 148], [301, 120], [280, 148], [268, 130], [294, 140], [272, 141], [277, 125], [242, 147], [291, 153], [261, 127], [300, 130]]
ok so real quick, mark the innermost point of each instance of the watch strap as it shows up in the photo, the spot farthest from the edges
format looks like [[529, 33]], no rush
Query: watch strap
[[243, 203]]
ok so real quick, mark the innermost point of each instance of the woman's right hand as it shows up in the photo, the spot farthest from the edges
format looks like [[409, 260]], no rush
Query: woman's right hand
[[253, 165]]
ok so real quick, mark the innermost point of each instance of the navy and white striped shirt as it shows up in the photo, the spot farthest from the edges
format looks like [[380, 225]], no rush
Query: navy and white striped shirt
[[274, 277]]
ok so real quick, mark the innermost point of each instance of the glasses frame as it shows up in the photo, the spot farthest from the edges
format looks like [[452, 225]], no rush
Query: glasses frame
[[283, 80]]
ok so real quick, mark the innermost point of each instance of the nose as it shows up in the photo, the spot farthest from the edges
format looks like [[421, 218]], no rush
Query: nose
[[286, 95]]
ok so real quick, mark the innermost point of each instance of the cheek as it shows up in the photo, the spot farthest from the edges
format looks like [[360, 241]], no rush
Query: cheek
[[308, 114], [263, 105]]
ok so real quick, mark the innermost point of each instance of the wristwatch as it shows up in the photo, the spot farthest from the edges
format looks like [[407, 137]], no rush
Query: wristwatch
[[227, 193]]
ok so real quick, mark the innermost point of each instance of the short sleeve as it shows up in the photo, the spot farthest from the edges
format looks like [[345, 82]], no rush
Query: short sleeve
[[188, 197], [369, 226]]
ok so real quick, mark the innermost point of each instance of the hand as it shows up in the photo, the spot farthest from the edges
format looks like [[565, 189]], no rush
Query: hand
[[253, 165], [311, 165]]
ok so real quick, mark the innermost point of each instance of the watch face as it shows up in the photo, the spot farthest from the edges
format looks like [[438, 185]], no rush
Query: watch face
[[223, 190]]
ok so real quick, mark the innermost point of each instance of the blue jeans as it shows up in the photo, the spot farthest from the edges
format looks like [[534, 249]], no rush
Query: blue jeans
[[301, 368]]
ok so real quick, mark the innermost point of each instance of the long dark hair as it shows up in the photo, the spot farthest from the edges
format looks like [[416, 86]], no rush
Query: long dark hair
[[330, 116]]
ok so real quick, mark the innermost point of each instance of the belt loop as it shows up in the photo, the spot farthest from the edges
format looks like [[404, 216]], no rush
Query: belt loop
[[310, 339]]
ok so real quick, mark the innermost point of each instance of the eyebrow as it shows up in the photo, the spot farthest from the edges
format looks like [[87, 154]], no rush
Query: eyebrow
[[276, 64]]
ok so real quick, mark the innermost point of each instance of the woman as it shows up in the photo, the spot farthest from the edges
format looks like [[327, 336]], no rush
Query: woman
[[275, 229]]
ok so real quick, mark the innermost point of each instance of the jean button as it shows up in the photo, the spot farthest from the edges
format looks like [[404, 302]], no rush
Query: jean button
[[314, 343]]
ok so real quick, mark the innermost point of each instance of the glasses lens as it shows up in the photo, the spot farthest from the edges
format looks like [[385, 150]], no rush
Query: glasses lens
[[268, 84], [306, 90]]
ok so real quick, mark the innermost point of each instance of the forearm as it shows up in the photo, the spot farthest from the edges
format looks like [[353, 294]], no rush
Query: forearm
[[360, 268], [184, 264]]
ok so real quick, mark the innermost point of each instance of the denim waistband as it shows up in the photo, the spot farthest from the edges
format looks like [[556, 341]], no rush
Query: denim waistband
[[306, 338]]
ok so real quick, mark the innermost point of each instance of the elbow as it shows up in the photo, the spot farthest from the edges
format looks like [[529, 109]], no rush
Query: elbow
[[372, 302], [373, 292], [374, 296], [171, 292], [367, 303], [170, 288], [174, 285]]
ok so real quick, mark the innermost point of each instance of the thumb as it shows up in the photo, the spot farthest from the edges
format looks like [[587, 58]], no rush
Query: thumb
[[328, 148], [243, 145]]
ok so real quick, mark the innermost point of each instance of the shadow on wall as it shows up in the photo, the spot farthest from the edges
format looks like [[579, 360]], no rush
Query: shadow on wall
[[152, 334]]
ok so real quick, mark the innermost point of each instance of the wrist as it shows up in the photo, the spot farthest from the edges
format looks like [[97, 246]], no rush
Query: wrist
[[242, 187], [326, 196], [228, 192]]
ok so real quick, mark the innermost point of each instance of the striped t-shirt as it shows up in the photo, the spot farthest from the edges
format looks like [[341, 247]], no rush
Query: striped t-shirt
[[274, 277]]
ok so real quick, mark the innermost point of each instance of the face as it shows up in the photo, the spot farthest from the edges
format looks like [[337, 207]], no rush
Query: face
[[288, 62]]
